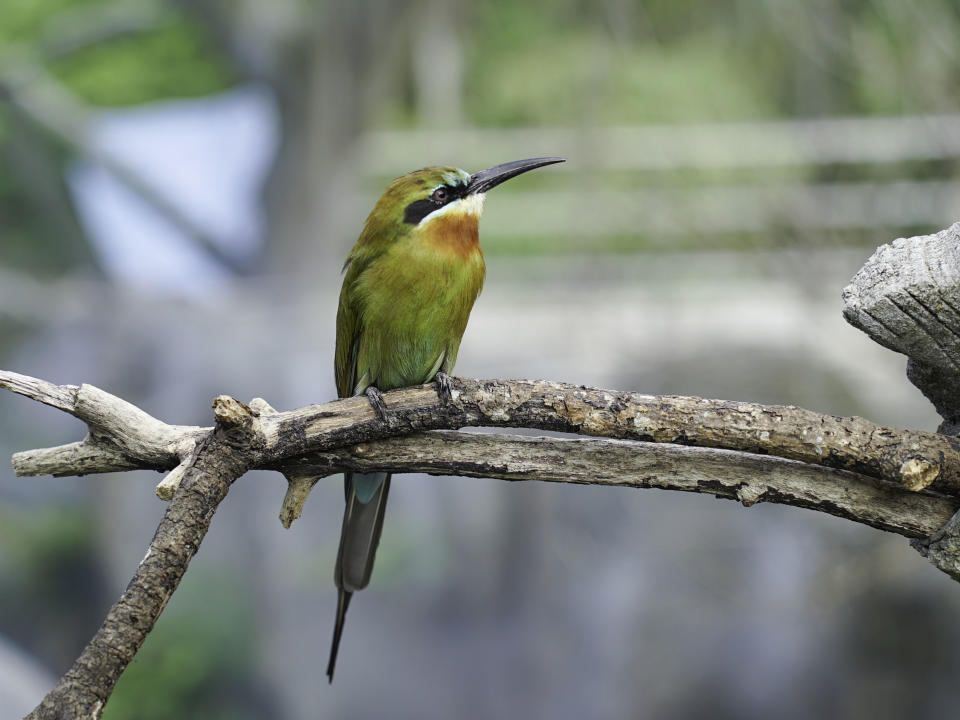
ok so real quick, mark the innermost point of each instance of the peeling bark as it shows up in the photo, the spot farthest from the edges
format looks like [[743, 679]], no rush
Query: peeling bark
[[748, 479], [907, 298], [84, 689], [912, 458], [752, 453]]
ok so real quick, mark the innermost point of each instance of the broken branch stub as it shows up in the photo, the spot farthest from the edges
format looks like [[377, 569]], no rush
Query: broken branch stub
[[907, 298]]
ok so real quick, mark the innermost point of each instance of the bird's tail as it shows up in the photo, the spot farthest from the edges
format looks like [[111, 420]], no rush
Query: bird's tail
[[362, 525], [343, 602]]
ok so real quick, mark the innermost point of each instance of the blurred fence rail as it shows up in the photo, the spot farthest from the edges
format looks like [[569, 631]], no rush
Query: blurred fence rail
[[893, 194]]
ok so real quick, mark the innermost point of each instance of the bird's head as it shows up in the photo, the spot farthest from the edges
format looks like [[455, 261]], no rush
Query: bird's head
[[417, 199]]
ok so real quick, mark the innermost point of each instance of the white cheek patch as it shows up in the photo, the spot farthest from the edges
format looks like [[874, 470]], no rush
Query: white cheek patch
[[469, 205]]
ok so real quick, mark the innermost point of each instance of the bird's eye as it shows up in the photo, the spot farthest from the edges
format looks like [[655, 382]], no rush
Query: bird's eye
[[439, 195]]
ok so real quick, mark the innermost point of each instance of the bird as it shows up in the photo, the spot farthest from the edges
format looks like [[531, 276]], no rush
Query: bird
[[409, 284]]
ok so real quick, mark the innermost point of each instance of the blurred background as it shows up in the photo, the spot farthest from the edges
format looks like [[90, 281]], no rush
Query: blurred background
[[179, 185]]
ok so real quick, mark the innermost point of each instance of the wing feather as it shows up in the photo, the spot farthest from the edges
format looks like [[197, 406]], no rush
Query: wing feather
[[349, 323]]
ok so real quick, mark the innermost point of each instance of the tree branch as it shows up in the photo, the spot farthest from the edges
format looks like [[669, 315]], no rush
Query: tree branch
[[912, 458], [907, 298], [753, 453], [739, 476], [122, 436], [85, 688]]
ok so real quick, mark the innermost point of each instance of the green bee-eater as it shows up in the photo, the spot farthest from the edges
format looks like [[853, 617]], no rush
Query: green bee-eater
[[410, 283]]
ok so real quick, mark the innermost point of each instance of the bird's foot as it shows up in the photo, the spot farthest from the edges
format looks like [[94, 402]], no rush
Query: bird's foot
[[376, 402], [444, 387]]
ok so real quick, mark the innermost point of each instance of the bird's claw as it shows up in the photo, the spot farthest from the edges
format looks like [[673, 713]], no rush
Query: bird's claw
[[444, 387], [376, 402]]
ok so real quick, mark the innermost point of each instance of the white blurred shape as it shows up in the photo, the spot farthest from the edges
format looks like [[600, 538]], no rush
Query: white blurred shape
[[23, 682], [208, 159]]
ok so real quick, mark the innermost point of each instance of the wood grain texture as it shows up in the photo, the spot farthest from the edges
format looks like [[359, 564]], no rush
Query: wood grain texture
[[912, 458], [84, 689], [907, 298], [746, 478], [753, 453]]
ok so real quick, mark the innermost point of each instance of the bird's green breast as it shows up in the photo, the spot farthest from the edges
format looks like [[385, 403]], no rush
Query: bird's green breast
[[414, 302]]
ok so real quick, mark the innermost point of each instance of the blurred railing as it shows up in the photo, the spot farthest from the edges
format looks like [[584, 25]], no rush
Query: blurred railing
[[897, 172]]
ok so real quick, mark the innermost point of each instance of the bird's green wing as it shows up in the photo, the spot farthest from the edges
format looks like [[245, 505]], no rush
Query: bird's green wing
[[349, 327]]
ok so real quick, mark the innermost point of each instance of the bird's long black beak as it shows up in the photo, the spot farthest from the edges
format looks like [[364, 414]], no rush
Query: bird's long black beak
[[482, 181]]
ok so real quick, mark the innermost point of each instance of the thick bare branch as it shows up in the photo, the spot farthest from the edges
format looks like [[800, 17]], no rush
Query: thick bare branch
[[122, 436], [891, 479], [321, 439], [911, 458], [729, 474], [942, 548], [907, 298], [752, 453], [62, 397], [85, 688]]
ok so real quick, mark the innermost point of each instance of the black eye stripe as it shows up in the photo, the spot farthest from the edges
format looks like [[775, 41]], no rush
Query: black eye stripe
[[419, 209]]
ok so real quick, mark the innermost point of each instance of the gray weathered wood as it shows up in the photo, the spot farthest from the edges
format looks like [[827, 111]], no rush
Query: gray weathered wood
[[907, 298], [753, 453], [744, 477], [912, 458], [215, 463]]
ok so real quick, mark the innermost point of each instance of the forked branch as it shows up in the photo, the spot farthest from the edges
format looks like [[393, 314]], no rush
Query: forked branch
[[902, 481]]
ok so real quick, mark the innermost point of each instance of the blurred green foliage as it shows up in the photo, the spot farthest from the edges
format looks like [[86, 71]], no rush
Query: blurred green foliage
[[674, 61], [174, 60], [583, 80], [108, 54], [25, 20], [113, 54], [51, 589], [537, 63], [532, 65], [199, 660]]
